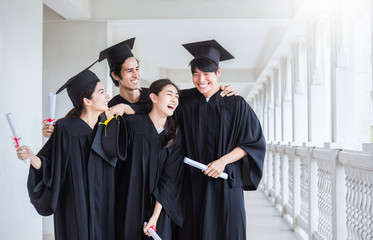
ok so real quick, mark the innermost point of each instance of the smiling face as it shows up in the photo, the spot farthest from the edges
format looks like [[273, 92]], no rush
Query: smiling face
[[166, 101], [130, 74], [99, 100], [206, 82]]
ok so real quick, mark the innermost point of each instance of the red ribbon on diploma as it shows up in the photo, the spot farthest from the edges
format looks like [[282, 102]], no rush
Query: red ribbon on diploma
[[16, 144], [47, 121], [153, 227]]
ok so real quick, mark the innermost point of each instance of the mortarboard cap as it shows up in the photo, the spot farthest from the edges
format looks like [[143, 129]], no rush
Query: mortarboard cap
[[113, 138], [78, 84], [210, 49], [117, 53]]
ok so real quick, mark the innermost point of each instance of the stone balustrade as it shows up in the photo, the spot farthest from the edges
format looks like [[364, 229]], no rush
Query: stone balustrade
[[324, 193]]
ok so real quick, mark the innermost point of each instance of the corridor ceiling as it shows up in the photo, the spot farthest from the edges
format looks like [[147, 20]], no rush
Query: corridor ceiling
[[257, 33]]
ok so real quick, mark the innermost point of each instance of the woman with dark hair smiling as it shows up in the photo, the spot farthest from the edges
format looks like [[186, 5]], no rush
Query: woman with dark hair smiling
[[67, 178], [150, 179]]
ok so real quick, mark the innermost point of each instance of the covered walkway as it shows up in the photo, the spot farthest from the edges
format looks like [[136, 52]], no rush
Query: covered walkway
[[304, 66], [264, 221]]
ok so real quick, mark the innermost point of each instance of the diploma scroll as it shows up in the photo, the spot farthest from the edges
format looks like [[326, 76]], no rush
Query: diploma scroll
[[52, 109], [16, 136], [152, 233], [52, 106], [201, 166]]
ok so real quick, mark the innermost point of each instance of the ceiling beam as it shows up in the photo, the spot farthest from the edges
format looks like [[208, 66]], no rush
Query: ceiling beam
[[182, 9], [71, 9]]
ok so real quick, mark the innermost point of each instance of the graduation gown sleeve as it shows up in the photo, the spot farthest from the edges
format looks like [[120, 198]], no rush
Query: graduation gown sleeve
[[44, 184], [168, 192], [251, 140]]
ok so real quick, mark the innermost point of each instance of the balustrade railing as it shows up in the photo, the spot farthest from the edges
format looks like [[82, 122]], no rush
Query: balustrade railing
[[324, 193]]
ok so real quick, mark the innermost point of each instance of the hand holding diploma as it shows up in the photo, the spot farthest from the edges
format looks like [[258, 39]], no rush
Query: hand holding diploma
[[16, 137], [152, 231], [52, 107], [48, 127], [25, 152], [201, 166]]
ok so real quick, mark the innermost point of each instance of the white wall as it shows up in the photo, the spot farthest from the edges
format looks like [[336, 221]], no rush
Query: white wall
[[68, 48], [21, 84]]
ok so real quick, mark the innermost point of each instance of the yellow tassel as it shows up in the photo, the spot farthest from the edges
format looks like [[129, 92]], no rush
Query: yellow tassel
[[107, 122]]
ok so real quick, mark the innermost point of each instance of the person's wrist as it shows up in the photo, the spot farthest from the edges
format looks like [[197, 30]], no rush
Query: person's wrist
[[155, 215], [224, 160], [35, 162]]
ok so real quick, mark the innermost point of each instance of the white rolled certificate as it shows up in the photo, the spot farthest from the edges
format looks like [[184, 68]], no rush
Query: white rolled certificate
[[16, 137], [52, 106], [152, 233], [201, 166]]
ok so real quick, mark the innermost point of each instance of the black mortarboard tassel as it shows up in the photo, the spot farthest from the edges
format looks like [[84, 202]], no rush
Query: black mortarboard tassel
[[117, 53], [210, 49], [79, 84]]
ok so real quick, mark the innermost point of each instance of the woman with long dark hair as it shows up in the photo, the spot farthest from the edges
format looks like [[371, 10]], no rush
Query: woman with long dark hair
[[67, 178], [150, 178]]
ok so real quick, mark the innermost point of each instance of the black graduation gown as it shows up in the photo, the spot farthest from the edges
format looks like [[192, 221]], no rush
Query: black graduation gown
[[139, 107], [149, 173], [215, 207], [75, 184]]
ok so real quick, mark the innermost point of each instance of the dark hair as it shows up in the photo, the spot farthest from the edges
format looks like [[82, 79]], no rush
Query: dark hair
[[171, 127], [78, 109], [116, 69], [203, 64]]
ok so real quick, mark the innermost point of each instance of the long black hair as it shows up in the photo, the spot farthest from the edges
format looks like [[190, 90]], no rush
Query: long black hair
[[79, 106], [171, 127]]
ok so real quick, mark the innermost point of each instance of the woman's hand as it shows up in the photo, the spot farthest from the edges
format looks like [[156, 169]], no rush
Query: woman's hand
[[48, 130], [153, 219], [25, 152], [152, 222]]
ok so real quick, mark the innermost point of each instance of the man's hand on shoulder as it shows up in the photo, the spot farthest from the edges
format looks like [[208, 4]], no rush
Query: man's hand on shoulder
[[228, 90]]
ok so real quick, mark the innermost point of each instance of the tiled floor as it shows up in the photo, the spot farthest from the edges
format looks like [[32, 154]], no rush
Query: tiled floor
[[263, 221], [48, 237]]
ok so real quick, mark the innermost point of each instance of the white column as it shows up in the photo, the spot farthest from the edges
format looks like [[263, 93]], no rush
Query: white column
[[299, 93], [318, 83], [371, 75], [271, 112], [260, 107], [21, 89], [277, 104], [265, 112], [286, 113], [363, 74], [343, 86]]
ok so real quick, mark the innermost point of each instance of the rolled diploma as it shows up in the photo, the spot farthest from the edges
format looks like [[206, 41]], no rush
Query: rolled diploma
[[154, 235], [201, 166], [13, 127], [52, 106]]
